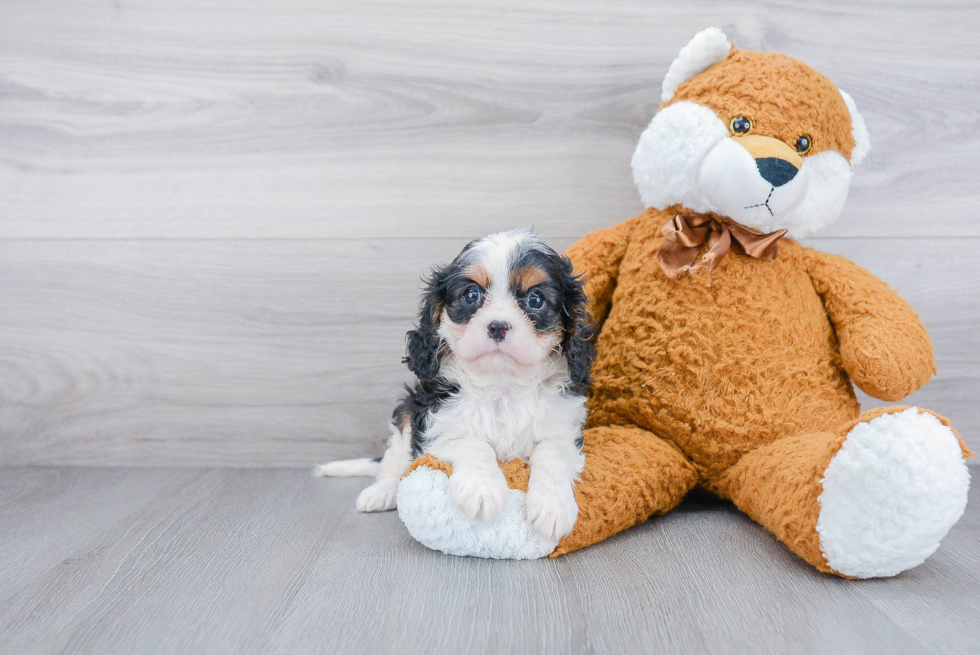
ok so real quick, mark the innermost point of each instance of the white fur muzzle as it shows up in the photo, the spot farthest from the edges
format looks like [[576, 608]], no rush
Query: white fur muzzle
[[730, 179], [687, 157]]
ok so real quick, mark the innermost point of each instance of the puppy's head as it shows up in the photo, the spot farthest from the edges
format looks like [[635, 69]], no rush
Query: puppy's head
[[508, 305]]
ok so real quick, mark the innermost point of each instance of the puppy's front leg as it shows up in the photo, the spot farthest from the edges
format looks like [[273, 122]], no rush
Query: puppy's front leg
[[477, 486], [550, 505]]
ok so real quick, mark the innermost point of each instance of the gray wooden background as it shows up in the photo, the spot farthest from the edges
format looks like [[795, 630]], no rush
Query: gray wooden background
[[214, 214]]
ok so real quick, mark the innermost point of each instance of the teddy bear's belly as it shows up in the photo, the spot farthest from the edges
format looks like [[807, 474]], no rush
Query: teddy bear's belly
[[722, 368]]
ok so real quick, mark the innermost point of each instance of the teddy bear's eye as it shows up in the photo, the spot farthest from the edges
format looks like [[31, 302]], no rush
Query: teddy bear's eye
[[740, 125], [803, 144]]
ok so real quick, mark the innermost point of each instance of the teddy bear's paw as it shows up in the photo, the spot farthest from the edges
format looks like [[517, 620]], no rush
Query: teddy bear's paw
[[551, 510], [379, 497], [479, 493], [426, 510], [890, 494]]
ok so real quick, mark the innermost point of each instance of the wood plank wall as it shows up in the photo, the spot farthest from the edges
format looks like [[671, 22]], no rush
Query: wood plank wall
[[213, 215]]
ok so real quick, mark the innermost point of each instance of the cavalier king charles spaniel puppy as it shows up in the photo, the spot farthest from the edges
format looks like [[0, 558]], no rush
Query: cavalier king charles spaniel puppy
[[502, 355]]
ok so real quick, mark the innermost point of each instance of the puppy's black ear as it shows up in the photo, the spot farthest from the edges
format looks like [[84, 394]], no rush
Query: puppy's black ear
[[579, 327], [422, 353], [422, 345]]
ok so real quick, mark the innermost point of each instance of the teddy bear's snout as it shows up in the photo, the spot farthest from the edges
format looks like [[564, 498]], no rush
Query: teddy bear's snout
[[775, 171], [753, 179], [776, 161]]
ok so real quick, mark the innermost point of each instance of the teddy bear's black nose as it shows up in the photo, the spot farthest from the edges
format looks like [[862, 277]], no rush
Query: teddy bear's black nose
[[776, 171]]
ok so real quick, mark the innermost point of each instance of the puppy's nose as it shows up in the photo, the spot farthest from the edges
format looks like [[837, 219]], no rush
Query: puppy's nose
[[775, 171], [498, 330]]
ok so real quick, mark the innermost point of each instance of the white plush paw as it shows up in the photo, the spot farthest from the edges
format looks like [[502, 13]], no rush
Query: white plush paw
[[479, 493], [551, 510], [379, 497], [890, 494], [428, 513]]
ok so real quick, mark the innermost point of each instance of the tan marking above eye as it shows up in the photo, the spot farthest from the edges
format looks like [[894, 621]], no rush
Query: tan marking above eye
[[528, 277], [478, 274]]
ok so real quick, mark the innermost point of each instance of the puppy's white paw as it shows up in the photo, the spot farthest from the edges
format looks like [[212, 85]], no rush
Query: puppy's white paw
[[479, 494], [379, 497], [551, 510]]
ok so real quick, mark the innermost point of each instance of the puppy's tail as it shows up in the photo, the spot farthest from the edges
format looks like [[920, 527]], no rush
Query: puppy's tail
[[366, 466]]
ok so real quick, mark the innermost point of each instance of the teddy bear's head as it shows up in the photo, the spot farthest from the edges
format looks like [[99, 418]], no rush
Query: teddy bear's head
[[758, 137]]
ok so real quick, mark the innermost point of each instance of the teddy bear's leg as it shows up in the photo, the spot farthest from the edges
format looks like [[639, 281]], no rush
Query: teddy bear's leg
[[872, 499], [630, 474]]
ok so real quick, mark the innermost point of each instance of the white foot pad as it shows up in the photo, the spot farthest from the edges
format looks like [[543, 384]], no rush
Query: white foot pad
[[379, 497], [428, 513], [891, 493]]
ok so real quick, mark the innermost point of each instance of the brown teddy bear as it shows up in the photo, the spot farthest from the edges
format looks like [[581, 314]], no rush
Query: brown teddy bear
[[726, 350]]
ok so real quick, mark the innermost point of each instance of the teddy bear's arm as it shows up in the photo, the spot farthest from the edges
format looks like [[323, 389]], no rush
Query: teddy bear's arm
[[884, 346], [598, 255]]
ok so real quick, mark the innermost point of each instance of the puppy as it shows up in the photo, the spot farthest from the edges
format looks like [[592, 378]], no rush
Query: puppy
[[502, 355]]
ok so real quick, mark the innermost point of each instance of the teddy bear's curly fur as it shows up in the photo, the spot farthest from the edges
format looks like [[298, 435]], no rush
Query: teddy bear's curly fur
[[743, 374], [737, 377]]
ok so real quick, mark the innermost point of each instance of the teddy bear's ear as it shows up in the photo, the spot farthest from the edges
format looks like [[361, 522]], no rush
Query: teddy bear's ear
[[709, 46], [862, 142]]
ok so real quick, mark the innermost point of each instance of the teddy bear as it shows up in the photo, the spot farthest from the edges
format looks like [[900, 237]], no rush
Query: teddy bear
[[727, 352]]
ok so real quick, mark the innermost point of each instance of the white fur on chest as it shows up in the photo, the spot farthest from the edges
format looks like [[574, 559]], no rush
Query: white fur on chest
[[512, 421]]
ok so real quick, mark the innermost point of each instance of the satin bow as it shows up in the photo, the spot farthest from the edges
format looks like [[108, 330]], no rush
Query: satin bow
[[686, 233]]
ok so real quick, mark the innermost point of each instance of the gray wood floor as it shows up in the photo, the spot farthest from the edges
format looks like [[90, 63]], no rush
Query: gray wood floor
[[181, 560]]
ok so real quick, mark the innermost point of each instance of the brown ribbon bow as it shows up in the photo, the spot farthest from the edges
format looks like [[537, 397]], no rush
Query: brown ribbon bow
[[686, 233]]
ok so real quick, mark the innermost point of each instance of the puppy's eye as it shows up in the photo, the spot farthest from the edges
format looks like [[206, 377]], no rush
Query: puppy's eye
[[803, 144], [740, 125], [472, 295], [535, 300]]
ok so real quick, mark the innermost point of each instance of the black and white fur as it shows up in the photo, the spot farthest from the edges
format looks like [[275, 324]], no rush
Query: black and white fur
[[502, 355]]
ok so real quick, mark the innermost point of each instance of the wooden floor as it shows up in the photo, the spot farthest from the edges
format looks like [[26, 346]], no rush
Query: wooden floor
[[183, 560]]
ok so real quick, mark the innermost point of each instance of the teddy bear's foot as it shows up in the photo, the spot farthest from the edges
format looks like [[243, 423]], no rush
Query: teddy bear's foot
[[890, 494], [425, 506]]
